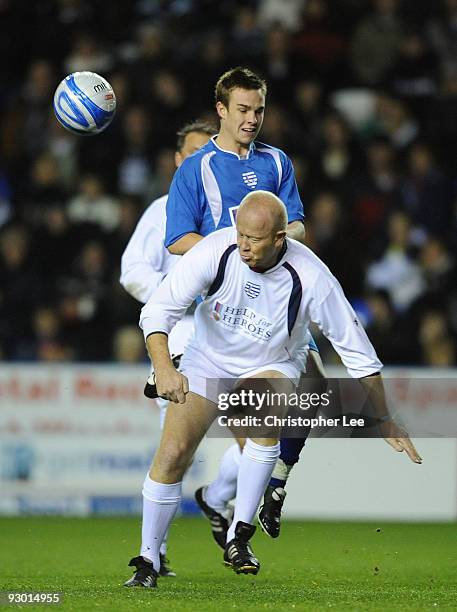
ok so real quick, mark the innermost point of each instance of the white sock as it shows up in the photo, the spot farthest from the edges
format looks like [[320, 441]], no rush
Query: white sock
[[223, 489], [160, 502], [256, 465], [163, 405]]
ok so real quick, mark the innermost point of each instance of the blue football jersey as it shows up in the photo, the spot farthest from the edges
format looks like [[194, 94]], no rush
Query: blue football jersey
[[209, 185]]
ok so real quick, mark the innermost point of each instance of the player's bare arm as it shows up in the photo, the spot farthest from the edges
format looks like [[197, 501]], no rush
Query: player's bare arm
[[170, 383], [393, 434], [296, 230], [184, 244]]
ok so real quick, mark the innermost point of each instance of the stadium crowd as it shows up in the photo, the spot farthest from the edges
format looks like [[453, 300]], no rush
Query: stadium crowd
[[362, 96]]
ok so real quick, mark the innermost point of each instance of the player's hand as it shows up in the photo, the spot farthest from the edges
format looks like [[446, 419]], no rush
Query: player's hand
[[172, 385], [399, 440]]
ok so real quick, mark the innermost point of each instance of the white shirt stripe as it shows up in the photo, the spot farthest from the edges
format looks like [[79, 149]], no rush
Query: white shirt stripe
[[211, 188], [276, 157]]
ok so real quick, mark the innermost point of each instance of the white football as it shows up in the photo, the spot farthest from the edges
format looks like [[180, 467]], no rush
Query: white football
[[84, 103]]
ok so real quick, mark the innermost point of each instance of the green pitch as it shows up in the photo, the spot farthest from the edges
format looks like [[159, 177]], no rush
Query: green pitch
[[312, 566]]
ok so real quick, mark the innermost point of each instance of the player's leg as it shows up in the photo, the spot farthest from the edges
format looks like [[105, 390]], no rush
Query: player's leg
[[185, 426], [275, 494], [177, 342], [214, 499], [165, 569], [256, 465]]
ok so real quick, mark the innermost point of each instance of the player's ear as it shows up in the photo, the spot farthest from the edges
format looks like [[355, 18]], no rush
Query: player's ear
[[280, 236], [221, 110], [178, 159]]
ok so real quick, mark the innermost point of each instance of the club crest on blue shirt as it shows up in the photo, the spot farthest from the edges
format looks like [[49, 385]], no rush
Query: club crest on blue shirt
[[251, 290], [250, 179]]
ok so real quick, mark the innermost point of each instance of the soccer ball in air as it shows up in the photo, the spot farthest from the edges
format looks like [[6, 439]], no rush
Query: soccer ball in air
[[84, 103]]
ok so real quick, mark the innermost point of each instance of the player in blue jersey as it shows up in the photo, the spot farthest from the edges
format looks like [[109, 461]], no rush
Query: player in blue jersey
[[204, 196]]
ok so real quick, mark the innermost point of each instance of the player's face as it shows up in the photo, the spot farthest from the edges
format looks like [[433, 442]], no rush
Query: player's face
[[242, 120], [192, 142], [258, 244]]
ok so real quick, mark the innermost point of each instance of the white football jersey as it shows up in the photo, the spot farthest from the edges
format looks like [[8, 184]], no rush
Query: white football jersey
[[249, 319], [146, 261]]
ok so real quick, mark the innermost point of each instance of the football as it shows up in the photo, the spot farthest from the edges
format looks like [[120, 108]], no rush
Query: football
[[84, 103]]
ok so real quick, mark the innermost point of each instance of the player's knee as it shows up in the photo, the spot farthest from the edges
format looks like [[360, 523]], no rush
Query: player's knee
[[176, 455]]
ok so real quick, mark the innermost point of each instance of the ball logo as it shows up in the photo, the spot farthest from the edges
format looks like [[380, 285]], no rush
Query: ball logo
[[251, 290], [100, 87], [250, 179]]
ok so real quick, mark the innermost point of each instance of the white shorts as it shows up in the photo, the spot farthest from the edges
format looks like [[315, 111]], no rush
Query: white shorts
[[207, 380]]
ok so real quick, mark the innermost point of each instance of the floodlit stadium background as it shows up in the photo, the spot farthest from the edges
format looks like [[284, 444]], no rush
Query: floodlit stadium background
[[362, 96]]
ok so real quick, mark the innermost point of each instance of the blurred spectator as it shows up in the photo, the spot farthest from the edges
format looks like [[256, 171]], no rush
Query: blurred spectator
[[320, 45], [246, 32], [396, 271], [55, 235], [287, 14], [438, 269], [47, 337], [279, 64], [437, 345], [93, 205], [128, 345], [376, 190], [210, 62], [134, 170], [20, 290], [425, 192], [88, 55], [145, 56], [330, 236], [164, 169], [25, 128], [442, 123], [395, 121], [376, 43], [308, 111], [413, 76], [167, 99], [43, 190], [275, 130], [442, 32], [392, 336], [336, 160], [85, 305]]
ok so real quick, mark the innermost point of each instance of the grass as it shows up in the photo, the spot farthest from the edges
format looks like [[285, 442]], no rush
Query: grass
[[312, 566]]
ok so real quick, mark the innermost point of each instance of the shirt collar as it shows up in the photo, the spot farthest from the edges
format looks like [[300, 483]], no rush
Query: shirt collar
[[248, 155]]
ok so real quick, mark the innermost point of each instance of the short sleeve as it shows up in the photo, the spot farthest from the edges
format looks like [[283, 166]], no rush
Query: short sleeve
[[184, 211], [288, 191]]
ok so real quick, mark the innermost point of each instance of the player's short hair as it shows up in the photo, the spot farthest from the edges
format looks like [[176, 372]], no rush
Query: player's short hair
[[244, 78], [202, 127]]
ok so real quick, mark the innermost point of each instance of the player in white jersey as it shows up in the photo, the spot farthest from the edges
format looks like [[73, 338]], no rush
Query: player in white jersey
[[145, 261], [239, 336]]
